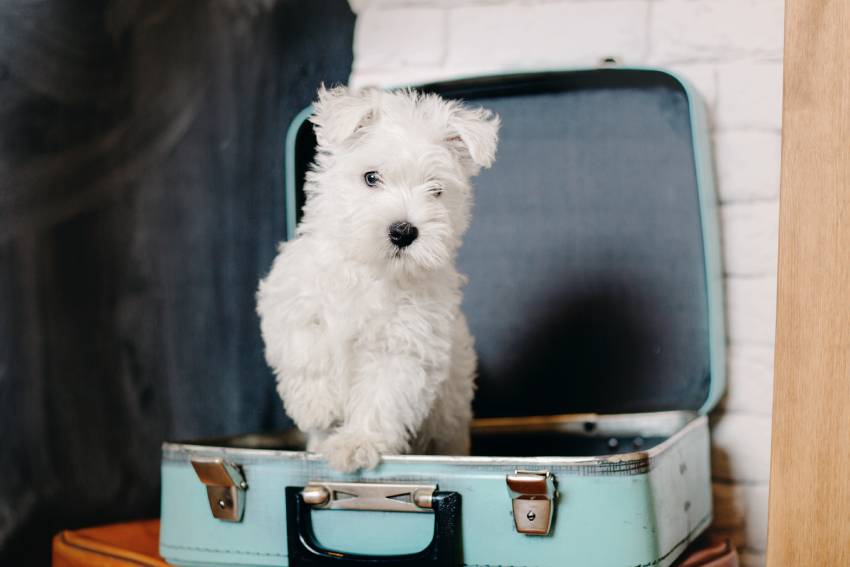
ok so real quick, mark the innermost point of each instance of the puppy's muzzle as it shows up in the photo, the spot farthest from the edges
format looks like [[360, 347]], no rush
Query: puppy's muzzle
[[403, 234]]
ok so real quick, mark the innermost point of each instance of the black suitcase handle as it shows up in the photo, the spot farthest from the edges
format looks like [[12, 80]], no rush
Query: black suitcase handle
[[304, 551]]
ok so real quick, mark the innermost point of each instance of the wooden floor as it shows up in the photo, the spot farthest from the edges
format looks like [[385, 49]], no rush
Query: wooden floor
[[810, 479], [141, 197]]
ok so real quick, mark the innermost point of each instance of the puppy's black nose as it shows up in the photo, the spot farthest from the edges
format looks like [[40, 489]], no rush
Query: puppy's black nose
[[403, 233]]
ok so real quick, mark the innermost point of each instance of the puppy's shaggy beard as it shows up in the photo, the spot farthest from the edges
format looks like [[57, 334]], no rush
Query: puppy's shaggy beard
[[433, 249]]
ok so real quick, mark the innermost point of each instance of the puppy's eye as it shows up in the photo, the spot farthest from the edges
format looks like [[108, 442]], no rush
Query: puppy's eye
[[371, 178], [434, 188]]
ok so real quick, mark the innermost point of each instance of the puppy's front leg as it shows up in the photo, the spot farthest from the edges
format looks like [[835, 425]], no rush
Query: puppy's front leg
[[391, 397], [299, 347], [306, 380]]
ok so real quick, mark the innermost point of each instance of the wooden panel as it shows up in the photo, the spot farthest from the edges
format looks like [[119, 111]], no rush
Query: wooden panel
[[809, 512], [141, 198]]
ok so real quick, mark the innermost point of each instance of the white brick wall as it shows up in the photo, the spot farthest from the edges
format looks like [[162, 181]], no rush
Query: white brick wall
[[732, 51]]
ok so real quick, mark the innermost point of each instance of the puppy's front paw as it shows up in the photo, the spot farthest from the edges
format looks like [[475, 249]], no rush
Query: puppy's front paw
[[347, 451]]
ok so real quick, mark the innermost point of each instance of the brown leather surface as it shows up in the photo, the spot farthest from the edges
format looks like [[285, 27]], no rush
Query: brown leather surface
[[137, 544], [710, 553], [117, 545]]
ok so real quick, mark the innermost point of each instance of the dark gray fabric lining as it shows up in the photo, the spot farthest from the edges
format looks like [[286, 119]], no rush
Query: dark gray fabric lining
[[587, 281]]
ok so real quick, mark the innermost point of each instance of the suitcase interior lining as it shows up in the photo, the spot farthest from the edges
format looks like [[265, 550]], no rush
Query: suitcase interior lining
[[587, 277], [587, 274], [583, 435]]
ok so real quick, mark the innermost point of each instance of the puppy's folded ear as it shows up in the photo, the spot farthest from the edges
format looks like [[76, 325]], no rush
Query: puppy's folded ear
[[473, 134], [339, 113]]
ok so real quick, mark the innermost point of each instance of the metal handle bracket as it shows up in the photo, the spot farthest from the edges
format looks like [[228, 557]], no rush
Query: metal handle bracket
[[364, 496]]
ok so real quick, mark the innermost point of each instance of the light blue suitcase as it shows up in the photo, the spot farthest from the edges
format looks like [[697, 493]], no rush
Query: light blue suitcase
[[595, 299]]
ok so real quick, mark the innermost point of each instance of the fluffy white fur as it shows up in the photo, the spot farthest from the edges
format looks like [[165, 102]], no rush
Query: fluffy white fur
[[371, 351]]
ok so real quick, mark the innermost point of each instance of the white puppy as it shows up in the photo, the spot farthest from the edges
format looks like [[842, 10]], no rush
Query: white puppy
[[361, 311]]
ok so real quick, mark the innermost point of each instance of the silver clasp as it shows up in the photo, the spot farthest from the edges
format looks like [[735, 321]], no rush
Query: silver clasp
[[533, 495], [226, 488]]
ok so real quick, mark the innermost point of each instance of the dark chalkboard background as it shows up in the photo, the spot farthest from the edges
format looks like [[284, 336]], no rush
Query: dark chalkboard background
[[140, 201]]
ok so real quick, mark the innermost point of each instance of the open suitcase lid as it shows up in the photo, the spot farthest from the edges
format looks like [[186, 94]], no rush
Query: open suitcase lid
[[593, 254]]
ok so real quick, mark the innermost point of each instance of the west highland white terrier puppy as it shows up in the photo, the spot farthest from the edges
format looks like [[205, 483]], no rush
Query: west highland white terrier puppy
[[360, 313]]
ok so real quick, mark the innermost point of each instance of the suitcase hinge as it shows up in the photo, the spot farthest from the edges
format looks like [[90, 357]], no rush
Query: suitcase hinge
[[533, 494], [226, 488]]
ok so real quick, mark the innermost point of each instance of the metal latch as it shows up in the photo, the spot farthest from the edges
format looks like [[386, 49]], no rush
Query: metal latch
[[533, 495], [226, 488], [369, 496]]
